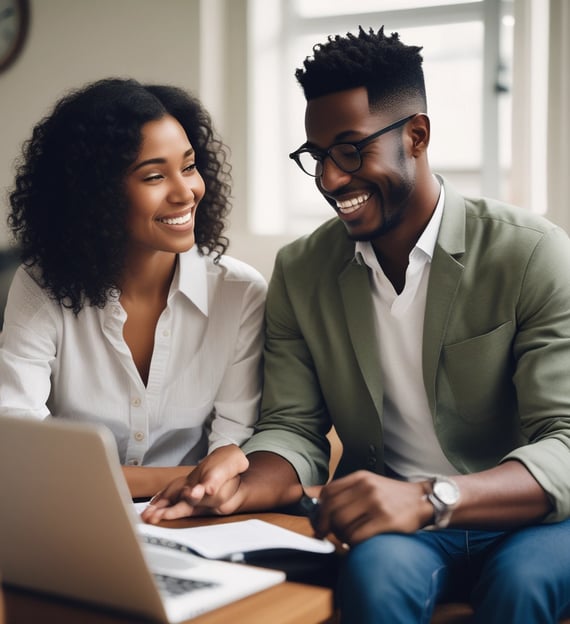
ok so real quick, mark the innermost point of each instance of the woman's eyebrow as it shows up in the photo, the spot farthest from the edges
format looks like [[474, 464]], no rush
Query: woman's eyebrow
[[160, 161]]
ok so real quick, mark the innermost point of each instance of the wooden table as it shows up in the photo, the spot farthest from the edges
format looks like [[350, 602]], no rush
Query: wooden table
[[287, 603]]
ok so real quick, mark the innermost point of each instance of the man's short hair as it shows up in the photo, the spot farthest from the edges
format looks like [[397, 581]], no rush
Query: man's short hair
[[391, 71]]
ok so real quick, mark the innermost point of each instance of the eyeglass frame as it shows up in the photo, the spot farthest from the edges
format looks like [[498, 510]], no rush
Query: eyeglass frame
[[358, 145]]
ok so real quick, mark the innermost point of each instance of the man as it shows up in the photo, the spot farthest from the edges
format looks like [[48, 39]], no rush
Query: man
[[433, 332]]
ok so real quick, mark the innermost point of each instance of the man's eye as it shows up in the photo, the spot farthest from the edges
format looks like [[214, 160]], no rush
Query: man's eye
[[346, 150]]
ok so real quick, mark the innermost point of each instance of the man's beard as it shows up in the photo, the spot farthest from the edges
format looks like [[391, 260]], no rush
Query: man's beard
[[389, 221], [387, 225]]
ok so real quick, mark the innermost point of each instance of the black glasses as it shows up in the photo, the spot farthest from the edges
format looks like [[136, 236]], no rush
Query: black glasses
[[346, 156]]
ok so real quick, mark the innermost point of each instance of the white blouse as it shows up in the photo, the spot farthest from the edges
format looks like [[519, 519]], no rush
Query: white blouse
[[204, 383]]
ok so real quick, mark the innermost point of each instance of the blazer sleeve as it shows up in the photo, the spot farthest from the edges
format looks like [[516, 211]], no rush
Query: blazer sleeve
[[542, 376], [294, 420]]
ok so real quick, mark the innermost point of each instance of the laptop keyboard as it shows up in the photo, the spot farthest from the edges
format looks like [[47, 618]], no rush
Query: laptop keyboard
[[166, 543], [174, 586]]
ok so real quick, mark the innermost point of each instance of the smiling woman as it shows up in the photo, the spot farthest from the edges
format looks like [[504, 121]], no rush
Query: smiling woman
[[125, 310], [163, 189]]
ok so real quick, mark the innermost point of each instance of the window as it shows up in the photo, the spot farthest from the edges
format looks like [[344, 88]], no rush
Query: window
[[467, 63]]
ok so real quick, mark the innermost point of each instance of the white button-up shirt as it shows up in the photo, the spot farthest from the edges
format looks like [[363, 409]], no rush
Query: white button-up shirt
[[411, 447], [204, 383]]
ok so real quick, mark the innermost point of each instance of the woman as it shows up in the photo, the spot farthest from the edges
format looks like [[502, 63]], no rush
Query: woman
[[125, 311]]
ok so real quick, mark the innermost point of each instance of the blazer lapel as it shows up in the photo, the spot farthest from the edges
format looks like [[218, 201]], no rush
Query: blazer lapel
[[445, 276], [358, 308]]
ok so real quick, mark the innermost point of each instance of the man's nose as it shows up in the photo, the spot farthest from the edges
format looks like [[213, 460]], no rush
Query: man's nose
[[332, 176]]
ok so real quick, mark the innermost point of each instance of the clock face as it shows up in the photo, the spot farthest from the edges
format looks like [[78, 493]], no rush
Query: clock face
[[14, 16]]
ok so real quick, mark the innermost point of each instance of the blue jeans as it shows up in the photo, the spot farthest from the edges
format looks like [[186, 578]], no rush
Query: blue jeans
[[514, 577]]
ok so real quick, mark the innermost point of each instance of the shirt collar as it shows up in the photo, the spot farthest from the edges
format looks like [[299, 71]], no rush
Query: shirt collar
[[191, 279], [426, 242]]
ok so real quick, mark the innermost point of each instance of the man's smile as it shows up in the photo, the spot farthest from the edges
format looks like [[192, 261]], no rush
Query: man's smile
[[348, 206]]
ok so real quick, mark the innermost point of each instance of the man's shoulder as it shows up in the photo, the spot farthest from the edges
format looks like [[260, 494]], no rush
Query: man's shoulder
[[328, 244], [500, 215]]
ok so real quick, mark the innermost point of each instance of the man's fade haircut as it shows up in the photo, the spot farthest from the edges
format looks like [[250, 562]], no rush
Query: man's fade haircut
[[390, 71]]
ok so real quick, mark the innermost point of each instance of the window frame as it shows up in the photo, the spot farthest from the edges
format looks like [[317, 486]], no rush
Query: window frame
[[269, 56]]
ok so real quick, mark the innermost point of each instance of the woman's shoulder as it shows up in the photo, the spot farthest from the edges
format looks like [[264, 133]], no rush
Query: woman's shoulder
[[27, 298], [226, 268], [236, 269], [27, 284]]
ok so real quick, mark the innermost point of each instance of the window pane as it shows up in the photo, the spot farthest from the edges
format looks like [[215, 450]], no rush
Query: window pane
[[321, 8]]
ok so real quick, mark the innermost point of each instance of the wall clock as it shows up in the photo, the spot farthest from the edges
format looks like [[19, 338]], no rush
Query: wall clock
[[14, 21]]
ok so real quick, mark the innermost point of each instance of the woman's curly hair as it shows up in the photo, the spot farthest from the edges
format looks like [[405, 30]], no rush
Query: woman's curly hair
[[68, 205], [390, 70]]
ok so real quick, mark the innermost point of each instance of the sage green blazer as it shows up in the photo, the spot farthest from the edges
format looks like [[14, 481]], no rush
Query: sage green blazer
[[496, 352]]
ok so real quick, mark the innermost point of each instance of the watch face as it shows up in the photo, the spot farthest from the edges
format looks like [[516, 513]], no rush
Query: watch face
[[13, 29], [446, 492]]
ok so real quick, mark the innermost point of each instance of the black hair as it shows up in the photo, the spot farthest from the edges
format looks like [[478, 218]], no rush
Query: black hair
[[391, 71], [68, 204]]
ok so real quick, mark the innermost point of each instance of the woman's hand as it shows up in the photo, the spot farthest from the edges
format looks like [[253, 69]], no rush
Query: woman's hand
[[211, 488]]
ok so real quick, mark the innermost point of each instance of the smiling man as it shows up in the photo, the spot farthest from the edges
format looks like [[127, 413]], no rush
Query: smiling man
[[433, 332]]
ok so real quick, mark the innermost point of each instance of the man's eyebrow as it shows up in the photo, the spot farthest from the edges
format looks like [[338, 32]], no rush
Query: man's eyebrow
[[159, 161], [347, 136]]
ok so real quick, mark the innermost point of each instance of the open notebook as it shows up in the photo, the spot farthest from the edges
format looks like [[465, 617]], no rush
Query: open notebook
[[68, 527]]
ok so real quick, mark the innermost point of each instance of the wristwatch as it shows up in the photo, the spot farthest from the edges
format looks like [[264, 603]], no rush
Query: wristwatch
[[444, 497]]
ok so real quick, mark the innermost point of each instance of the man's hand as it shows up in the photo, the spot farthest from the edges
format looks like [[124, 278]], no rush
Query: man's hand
[[364, 504], [211, 488]]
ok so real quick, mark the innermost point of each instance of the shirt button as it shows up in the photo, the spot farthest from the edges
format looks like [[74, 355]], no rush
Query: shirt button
[[133, 462], [166, 333], [136, 402], [139, 436]]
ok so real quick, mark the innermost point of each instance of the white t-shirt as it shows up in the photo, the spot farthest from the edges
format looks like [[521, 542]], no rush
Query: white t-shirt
[[204, 383], [411, 447]]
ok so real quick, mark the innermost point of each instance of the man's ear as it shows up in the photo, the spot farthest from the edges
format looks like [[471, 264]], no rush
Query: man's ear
[[419, 131]]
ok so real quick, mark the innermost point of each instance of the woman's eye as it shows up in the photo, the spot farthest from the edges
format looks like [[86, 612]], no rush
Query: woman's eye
[[152, 177], [191, 167]]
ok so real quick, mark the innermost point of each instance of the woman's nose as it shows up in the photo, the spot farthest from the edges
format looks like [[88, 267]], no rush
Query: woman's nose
[[181, 190]]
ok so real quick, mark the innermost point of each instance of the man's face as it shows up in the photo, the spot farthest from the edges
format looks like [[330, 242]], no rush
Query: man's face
[[373, 200]]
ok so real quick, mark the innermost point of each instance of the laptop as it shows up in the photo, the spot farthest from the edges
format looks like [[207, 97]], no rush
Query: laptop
[[68, 527]]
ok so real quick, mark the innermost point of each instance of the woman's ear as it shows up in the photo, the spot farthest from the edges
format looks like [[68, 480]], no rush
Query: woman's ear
[[419, 130]]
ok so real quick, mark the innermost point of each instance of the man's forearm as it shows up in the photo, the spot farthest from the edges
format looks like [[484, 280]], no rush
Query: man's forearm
[[269, 482], [502, 497]]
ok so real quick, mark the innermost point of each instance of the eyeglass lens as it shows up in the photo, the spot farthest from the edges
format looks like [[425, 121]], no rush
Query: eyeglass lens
[[344, 155]]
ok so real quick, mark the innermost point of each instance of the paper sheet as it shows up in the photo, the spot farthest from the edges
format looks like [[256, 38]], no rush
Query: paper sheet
[[220, 541]]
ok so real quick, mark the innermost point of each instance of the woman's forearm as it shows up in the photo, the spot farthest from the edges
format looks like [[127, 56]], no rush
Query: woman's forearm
[[146, 481]]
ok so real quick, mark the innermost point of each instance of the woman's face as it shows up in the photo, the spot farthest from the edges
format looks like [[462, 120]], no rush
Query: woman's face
[[163, 188]]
